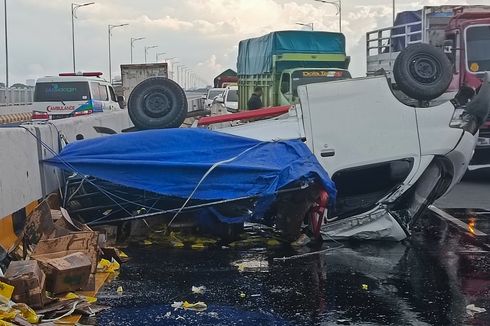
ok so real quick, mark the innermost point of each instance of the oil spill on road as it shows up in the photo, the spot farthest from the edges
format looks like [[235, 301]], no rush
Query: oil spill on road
[[428, 280]]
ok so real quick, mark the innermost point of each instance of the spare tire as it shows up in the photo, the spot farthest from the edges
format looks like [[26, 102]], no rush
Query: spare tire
[[422, 71], [157, 103]]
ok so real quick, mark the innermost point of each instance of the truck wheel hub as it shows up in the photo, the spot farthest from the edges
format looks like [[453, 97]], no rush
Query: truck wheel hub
[[424, 69], [156, 105]]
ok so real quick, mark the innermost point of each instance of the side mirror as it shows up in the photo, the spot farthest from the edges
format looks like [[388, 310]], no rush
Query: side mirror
[[448, 46], [204, 96]]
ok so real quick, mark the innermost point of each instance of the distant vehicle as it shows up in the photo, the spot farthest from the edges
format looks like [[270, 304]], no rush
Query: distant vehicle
[[226, 78], [281, 61], [211, 95], [72, 94], [229, 98]]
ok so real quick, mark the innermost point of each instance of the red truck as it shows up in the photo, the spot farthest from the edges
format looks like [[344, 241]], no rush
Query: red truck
[[458, 35], [226, 78]]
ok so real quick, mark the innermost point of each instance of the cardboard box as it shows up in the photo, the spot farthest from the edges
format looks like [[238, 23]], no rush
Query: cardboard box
[[67, 273], [83, 241], [29, 282]]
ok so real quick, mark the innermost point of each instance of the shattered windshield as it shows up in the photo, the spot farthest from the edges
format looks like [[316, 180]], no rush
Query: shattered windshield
[[478, 48]]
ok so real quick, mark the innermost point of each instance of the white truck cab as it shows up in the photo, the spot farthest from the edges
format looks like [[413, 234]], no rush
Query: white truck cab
[[73, 94]]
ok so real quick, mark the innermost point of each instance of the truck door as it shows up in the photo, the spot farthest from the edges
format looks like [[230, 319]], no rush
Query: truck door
[[363, 136]]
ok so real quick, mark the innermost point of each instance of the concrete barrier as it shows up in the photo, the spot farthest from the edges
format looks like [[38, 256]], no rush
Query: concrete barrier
[[24, 179]]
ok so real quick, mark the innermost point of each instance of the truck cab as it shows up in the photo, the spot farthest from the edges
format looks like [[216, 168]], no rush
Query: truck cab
[[292, 78], [461, 32]]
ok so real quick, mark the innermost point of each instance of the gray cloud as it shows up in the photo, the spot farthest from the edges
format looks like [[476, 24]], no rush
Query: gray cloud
[[204, 34]]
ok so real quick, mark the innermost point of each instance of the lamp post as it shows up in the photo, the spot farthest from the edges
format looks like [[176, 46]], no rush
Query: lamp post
[[310, 25], [159, 54], [393, 12], [172, 65], [74, 7], [6, 51], [147, 48], [179, 73], [109, 29], [338, 5], [134, 39]]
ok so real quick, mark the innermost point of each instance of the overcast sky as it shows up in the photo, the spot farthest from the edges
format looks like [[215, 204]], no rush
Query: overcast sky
[[203, 34]]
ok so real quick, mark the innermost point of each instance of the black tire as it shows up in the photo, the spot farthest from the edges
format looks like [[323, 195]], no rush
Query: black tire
[[422, 71], [157, 103]]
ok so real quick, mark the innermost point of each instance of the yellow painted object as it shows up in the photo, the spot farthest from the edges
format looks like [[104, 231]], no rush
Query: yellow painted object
[[27, 312], [6, 291], [108, 266], [71, 295]]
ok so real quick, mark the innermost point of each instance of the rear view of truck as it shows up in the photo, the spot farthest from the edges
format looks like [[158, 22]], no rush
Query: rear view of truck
[[281, 61]]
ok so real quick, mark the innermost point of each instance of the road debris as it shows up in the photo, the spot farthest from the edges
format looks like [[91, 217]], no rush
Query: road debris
[[198, 289], [198, 306], [472, 310], [56, 270]]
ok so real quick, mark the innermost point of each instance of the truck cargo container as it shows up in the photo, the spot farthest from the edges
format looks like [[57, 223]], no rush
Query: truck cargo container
[[281, 61]]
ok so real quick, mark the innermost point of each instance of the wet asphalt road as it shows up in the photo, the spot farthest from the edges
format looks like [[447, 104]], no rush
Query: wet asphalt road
[[427, 280]]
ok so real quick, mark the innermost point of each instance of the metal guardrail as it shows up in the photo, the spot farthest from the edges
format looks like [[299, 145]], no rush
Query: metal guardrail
[[383, 45], [16, 96]]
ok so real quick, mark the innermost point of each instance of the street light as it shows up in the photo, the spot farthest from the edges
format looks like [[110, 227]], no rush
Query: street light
[[6, 52], [159, 54], [338, 5], [109, 29], [149, 47], [134, 39], [74, 7], [172, 65], [310, 25], [179, 73]]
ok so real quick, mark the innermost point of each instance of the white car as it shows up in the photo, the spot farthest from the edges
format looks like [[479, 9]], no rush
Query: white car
[[230, 98], [211, 95], [73, 94], [389, 161]]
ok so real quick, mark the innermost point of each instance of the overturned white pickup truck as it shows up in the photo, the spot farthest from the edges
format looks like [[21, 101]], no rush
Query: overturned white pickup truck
[[388, 160]]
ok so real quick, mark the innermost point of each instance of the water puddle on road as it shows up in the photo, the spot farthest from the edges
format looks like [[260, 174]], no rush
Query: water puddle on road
[[429, 280]]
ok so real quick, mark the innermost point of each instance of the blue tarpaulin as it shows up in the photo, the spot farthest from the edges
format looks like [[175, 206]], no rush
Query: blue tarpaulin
[[255, 54], [171, 162]]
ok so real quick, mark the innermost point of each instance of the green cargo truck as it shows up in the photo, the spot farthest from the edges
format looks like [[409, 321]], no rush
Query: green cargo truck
[[281, 61]]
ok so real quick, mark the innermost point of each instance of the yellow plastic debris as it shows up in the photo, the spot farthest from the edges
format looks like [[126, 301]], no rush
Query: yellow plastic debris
[[122, 254], [8, 314], [198, 246], [6, 291], [364, 287], [177, 244], [273, 242], [108, 266], [71, 295], [119, 290], [27, 312], [198, 306], [242, 295], [147, 243]]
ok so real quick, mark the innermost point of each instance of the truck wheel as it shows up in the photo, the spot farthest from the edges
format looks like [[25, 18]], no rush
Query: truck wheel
[[157, 103], [422, 72]]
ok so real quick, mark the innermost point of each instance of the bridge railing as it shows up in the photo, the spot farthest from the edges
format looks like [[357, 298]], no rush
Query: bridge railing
[[16, 96]]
